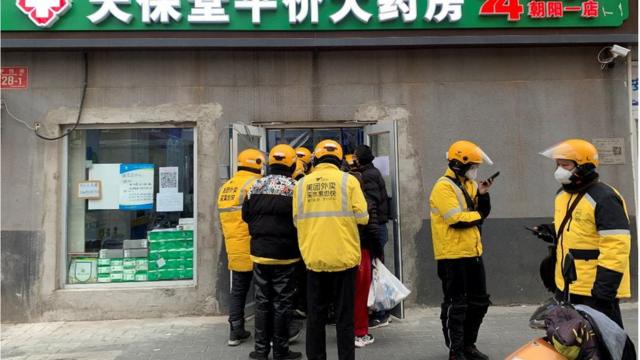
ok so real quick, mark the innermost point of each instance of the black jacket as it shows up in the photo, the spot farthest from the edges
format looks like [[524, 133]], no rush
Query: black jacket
[[375, 191], [267, 210], [369, 234]]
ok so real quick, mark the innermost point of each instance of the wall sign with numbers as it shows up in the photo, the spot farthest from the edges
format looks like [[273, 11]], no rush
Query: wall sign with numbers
[[313, 15], [16, 77]]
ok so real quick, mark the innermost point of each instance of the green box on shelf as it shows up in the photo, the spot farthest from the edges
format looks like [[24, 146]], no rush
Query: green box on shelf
[[129, 263], [104, 262], [171, 245], [129, 276], [116, 276], [170, 235], [104, 278], [104, 269], [141, 276], [117, 262], [152, 275]]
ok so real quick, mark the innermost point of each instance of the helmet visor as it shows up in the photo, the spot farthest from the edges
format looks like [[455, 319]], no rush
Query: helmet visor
[[560, 151], [485, 158]]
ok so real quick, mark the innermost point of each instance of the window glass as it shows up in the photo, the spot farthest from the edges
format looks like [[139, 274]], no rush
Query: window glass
[[130, 205]]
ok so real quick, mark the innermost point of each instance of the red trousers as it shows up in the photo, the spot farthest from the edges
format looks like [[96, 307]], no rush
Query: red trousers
[[363, 282]]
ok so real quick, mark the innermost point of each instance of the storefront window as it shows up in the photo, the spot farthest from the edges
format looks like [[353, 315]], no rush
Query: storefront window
[[130, 215], [348, 137]]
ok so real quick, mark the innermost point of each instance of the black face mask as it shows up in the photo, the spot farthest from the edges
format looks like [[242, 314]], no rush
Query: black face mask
[[458, 167], [583, 176]]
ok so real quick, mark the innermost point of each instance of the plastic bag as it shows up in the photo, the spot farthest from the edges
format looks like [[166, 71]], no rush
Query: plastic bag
[[386, 290]]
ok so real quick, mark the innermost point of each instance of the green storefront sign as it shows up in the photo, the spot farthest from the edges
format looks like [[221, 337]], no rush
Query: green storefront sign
[[306, 15]]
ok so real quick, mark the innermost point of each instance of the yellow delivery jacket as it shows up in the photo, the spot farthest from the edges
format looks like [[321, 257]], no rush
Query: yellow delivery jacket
[[448, 206], [598, 237], [328, 205], [236, 232]]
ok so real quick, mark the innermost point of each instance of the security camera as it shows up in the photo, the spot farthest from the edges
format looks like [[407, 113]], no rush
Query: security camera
[[617, 50], [608, 54]]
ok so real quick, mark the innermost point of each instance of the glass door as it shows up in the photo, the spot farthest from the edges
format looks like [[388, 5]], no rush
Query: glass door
[[242, 137], [382, 138]]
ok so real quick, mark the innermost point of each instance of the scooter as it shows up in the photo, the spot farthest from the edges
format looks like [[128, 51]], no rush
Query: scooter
[[611, 342]]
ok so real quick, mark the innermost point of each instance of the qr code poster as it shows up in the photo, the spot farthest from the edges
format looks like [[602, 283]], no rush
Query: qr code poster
[[169, 179]]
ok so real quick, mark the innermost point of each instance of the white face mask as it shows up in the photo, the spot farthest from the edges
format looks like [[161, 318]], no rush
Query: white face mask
[[472, 173], [563, 175]]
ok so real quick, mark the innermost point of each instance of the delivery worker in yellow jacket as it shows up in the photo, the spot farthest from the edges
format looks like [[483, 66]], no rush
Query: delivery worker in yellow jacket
[[328, 206], [237, 238], [596, 233], [459, 205]]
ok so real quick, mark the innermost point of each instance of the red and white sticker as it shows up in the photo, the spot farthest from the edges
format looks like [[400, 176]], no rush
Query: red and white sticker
[[15, 77]]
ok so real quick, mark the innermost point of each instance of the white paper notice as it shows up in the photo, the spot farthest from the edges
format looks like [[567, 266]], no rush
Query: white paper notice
[[382, 164], [109, 176], [169, 201], [169, 179], [610, 150]]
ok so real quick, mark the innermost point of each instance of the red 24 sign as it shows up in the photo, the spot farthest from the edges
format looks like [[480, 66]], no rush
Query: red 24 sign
[[512, 8]]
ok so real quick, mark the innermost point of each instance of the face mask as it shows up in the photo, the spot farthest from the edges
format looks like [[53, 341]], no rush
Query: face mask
[[563, 175], [472, 173]]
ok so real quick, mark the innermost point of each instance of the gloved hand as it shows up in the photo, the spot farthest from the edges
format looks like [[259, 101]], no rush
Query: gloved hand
[[546, 232]]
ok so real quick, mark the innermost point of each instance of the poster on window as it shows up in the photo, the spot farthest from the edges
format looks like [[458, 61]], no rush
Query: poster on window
[[136, 186]]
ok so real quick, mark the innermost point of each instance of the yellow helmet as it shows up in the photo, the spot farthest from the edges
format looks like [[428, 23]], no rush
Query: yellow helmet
[[578, 150], [467, 152], [304, 154], [282, 154], [251, 158], [299, 169], [328, 148], [349, 158]]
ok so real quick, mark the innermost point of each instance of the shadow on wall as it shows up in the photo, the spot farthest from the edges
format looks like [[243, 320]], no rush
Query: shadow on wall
[[511, 256]]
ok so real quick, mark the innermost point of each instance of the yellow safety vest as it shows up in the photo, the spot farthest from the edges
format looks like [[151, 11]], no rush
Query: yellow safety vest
[[598, 237], [448, 206], [328, 205], [236, 232]]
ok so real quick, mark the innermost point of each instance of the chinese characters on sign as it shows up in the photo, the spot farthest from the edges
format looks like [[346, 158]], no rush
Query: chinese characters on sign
[[136, 186], [16, 77], [610, 150], [308, 14]]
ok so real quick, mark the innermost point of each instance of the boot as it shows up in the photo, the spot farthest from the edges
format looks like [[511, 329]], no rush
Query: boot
[[456, 355], [258, 355], [291, 355], [472, 353], [237, 333]]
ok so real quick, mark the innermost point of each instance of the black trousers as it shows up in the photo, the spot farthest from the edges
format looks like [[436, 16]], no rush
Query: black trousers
[[465, 300], [275, 290], [300, 276], [323, 288], [241, 283]]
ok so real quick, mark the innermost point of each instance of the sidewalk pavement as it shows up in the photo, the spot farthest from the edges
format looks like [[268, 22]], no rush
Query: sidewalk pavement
[[418, 336]]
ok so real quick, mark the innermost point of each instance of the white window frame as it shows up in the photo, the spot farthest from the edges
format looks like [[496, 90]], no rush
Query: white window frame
[[64, 178]]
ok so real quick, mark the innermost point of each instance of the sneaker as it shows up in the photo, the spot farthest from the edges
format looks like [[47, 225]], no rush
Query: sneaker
[[362, 341], [378, 323], [292, 355], [258, 355], [472, 353], [238, 337]]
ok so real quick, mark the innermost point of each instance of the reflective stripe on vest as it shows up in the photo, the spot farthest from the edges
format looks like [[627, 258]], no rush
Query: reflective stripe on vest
[[240, 199], [458, 192], [345, 212]]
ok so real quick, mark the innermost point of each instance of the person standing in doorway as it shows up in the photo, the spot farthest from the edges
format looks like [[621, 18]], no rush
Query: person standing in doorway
[[375, 191], [459, 205], [274, 251], [237, 238], [327, 209]]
